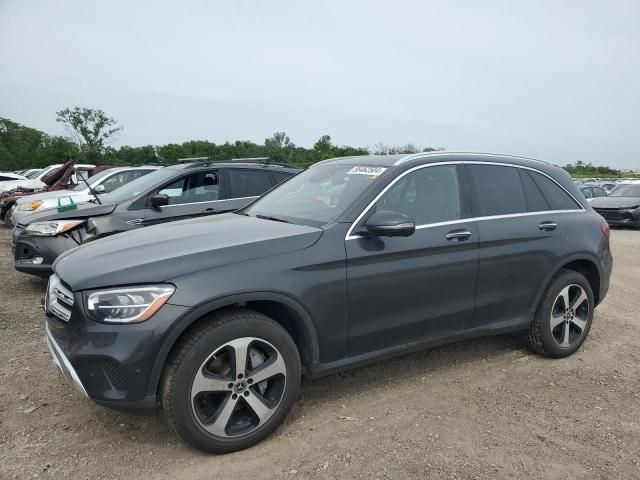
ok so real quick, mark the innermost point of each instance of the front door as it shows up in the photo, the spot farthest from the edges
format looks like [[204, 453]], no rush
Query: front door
[[190, 196], [405, 289]]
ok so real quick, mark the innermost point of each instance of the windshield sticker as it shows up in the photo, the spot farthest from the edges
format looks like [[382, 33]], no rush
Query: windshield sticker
[[366, 170]]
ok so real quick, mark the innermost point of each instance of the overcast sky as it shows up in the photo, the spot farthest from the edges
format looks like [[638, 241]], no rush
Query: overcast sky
[[556, 80]]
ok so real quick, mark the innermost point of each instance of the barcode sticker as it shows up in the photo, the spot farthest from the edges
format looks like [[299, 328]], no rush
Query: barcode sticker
[[366, 170]]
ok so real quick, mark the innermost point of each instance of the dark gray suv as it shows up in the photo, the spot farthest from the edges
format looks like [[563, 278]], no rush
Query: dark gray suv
[[214, 320]]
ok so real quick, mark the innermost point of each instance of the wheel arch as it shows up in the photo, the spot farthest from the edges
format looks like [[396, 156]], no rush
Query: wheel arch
[[585, 264], [283, 309]]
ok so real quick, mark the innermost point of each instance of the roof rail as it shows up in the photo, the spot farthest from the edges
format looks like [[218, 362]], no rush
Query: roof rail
[[194, 159]]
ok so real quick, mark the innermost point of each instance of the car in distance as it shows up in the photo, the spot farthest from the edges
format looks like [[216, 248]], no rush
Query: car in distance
[[592, 191], [354, 260], [621, 207], [171, 193], [103, 182]]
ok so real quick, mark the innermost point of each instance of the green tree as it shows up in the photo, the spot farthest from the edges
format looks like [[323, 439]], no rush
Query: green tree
[[90, 128], [279, 147]]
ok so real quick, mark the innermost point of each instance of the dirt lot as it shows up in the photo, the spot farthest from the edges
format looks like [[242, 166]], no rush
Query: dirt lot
[[479, 409]]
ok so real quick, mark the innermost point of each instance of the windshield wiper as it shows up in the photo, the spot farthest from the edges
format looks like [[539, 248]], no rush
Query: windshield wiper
[[275, 219]]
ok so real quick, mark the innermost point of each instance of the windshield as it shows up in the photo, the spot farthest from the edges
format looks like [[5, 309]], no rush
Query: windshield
[[33, 174], [137, 186], [317, 196], [93, 181], [626, 191]]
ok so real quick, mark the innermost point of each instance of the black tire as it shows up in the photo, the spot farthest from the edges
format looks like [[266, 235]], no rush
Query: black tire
[[6, 219], [196, 348], [540, 338]]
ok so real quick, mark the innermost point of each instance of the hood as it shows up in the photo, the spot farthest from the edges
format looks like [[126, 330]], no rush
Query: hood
[[162, 252], [58, 174], [26, 184], [84, 210], [615, 202], [45, 195]]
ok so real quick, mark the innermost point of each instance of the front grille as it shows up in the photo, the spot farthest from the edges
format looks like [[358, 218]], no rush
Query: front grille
[[59, 299]]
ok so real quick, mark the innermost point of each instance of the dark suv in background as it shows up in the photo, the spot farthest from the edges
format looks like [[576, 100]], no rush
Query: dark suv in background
[[214, 320], [172, 193]]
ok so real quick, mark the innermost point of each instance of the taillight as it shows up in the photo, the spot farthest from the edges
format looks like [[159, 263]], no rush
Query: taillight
[[606, 231]]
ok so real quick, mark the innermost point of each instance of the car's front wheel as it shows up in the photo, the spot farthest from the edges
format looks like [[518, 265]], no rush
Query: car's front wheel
[[231, 381], [564, 316]]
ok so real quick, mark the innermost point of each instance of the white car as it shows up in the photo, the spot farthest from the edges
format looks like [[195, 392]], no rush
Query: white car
[[7, 177], [103, 182], [28, 183]]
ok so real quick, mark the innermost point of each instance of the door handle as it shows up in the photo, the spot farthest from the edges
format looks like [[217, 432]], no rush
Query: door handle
[[458, 235], [211, 210], [548, 226]]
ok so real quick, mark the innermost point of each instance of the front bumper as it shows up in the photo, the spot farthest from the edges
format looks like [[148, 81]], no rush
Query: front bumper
[[621, 217], [114, 364], [26, 248], [62, 363]]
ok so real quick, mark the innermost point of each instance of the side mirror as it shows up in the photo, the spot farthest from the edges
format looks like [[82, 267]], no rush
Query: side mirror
[[159, 200], [386, 223], [99, 188]]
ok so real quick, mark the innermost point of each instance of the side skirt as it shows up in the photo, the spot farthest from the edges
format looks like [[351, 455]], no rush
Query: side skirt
[[509, 326]]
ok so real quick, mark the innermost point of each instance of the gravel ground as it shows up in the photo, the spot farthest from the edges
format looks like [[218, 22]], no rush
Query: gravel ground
[[479, 409]]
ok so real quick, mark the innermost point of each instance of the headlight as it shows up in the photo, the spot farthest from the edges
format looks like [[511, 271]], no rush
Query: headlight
[[51, 229], [29, 206], [127, 305]]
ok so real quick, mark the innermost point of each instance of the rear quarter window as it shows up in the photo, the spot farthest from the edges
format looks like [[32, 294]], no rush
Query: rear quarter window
[[557, 197]]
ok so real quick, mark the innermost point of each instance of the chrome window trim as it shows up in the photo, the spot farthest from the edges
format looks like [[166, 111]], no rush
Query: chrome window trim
[[192, 203], [349, 235]]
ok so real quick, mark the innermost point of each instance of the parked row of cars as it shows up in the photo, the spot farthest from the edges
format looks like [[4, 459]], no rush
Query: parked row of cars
[[214, 310]]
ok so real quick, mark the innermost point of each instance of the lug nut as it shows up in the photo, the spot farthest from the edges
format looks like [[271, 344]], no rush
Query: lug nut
[[240, 375], [230, 385], [234, 396], [250, 381], [246, 393]]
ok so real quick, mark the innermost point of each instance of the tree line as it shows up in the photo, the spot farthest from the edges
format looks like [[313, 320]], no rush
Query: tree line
[[90, 132]]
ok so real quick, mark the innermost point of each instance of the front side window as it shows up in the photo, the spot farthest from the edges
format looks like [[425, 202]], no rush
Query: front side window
[[427, 195], [498, 190], [248, 183], [587, 192], [317, 196], [195, 188], [599, 192]]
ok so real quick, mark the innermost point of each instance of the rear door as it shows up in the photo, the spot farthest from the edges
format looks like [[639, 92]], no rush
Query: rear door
[[522, 237], [244, 185], [190, 196]]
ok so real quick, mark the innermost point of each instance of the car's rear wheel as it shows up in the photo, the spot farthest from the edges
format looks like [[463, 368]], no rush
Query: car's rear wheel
[[231, 381], [564, 316]]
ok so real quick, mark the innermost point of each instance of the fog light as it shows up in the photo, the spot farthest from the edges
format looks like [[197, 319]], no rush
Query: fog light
[[32, 260]]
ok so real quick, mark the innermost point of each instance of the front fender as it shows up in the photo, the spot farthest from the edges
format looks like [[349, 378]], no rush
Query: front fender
[[198, 312]]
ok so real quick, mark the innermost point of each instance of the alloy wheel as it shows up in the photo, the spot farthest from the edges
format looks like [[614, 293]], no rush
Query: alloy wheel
[[238, 387], [570, 315]]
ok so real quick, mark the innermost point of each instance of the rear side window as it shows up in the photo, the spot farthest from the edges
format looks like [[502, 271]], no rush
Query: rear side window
[[498, 189], [533, 195], [281, 176], [555, 195], [248, 183]]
